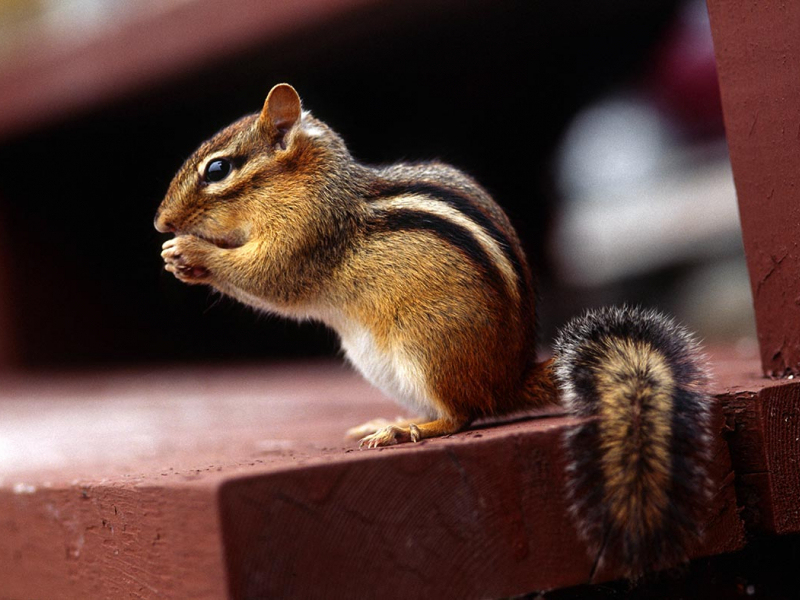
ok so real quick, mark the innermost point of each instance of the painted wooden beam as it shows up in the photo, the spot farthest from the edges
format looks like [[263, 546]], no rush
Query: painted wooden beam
[[210, 482], [758, 61]]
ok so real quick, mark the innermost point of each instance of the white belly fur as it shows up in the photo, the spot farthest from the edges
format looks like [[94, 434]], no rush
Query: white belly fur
[[395, 373]]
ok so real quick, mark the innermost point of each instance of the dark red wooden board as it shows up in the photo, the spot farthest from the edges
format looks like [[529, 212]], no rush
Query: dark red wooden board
[[758, 61], [201, 482], [764, 438]]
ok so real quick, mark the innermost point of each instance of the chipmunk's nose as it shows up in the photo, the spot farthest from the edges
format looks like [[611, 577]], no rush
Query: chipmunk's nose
[[162, 224], [163, 227]]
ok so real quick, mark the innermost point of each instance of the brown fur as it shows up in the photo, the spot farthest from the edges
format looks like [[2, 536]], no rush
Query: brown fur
[[636, 458], [637, 480], [296, 229], [423, 277]]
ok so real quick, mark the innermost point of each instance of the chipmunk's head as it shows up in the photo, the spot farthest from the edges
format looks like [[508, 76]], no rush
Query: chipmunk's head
[[256, 178]]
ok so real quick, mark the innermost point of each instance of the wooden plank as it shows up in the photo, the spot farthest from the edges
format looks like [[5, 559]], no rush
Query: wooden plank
[[780, 409], [110, 539], [109, 485], [759, 74], [460, 518], [55, 77], [158, 483], [464, 517], [765, 447]]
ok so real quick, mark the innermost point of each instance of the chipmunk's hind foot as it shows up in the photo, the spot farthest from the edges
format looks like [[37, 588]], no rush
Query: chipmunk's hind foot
[[397, 434], [375, 425]]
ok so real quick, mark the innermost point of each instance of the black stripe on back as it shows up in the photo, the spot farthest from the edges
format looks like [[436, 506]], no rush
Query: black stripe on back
[[407, 219], [465, 205]]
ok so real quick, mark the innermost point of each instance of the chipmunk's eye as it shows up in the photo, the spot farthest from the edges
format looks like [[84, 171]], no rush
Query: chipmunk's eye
[[217, 170]]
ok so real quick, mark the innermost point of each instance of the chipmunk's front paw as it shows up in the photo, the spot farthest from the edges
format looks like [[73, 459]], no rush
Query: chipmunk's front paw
[[185, 256]]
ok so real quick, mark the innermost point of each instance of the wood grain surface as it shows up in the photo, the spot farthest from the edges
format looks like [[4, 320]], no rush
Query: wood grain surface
[[758, 62], [237, 482]]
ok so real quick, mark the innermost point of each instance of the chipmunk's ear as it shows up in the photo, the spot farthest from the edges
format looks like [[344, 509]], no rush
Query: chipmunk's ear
[[281, 111]]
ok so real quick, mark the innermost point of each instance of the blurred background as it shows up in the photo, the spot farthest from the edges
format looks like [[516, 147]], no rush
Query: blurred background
[[596, 125]]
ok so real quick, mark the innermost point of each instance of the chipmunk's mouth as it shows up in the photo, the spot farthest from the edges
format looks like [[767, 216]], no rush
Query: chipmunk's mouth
[[232, 240], [226, 243]]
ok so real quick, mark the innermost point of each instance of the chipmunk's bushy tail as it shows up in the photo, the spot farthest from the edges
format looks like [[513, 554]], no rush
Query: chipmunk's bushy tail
[[638, 478]]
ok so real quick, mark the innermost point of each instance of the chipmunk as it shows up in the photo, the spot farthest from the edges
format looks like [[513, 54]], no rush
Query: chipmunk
[[424, 279]]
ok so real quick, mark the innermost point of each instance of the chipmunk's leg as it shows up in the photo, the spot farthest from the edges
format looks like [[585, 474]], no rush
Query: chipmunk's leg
[[395, 434], [375, 425]]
